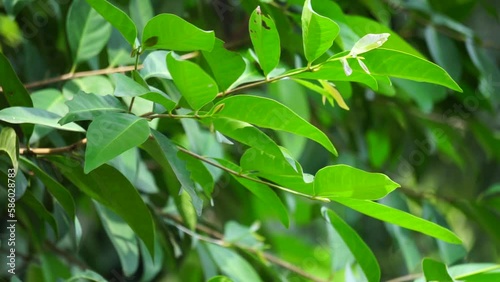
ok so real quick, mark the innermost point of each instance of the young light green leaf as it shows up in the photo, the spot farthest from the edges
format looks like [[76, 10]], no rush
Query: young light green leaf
[[335, 71], [195, 85], [262, 192], [361, 252], [117, 18], [60, 193], [368, 43], [400, 218], [435, 271], [342, 181], [318, 33], [21, 115], [334, 93], [170, 32], [87, 31], [10, 145], [268, 113], [232, 264], [87, 106], [227, 73], [110, 188], [122, 237], [111, 134], [14, 91], [265, 40]]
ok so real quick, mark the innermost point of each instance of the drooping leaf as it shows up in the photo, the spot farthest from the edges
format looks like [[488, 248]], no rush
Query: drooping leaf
[[228, 72], [111, 134], [262, 192], [21, 115], [232, 264], [87, 106], [361, 252], [267, 113], [110, 188], [435, 271], [39, 209], [166, 154], [400, 218], [10, 145], [265, 40], [117, 18], [195, 85], [335, 94], [87, 31], [14, 91], [60, 193], [170, 32], [318, 32], [347, 182], [122, 237], [199, 173]]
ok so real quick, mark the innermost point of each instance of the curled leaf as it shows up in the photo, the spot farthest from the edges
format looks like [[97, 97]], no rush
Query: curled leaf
[[368, 42], [347, 68], [363, 66]]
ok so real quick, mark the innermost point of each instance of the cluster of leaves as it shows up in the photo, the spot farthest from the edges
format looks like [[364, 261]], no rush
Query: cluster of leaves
[[199, 137]]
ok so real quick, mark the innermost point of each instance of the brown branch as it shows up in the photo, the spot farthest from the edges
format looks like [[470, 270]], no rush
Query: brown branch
[[272, 258], [52, 151], [409, 277], [81, 74]]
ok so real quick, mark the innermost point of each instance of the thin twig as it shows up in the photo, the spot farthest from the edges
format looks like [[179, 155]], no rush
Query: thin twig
[[52, 151], [220, 240], [73, 75], [409, 277]]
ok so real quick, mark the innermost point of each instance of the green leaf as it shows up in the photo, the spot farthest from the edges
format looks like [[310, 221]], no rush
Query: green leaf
[[122, 237], [368, 42], [227, 73], [60, 193], [342, 181], [195, 85], [166, 154], [400, 218], [379, 147], [333, 71], [220, 279], [318, 33], [141, 12], [116, 18], [362, 26], [265, 40], [20, 115], [170, 32], [99, 85], [444, 51], [155, 65], [268, 113], [86, 275], [232, 264], [10, 145], [262, 192], [109, 187], [87, 106], [403, 65], [361, 252], [87, 31], [160, 98], [39, 209], [435, 271], [111, 134], [14, 91], [199, 173], [127, 87]]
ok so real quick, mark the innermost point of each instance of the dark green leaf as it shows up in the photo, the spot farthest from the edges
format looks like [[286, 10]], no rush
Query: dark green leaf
[[109, 187], [20, 115]]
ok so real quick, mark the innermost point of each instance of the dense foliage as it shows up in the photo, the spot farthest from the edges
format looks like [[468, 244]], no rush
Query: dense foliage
[[148, 140]]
